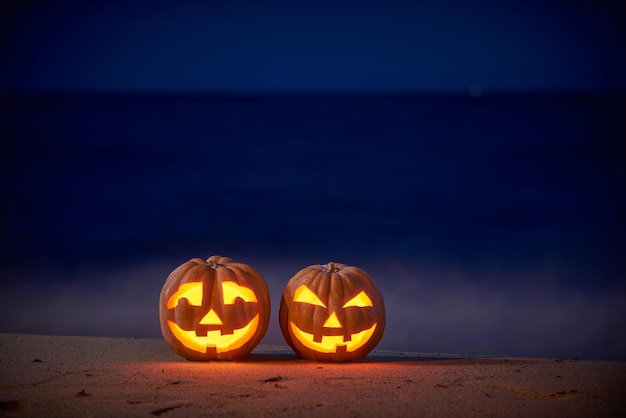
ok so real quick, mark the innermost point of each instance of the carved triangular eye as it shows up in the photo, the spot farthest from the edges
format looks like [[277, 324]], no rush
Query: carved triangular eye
[[305, 295], [232, 291], [361, 300]]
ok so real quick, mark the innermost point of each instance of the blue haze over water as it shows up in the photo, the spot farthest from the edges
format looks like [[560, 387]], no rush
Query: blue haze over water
[[494, 225]]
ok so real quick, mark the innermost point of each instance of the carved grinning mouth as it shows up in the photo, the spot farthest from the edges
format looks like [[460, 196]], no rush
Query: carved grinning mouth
[[329, 343], [214, 338]]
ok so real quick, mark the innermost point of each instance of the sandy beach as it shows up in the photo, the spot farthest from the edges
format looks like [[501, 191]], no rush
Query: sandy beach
[[97, 376]]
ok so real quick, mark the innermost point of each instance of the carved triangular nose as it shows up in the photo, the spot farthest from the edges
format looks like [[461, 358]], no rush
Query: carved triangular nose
[[211, 318], [332, 321]]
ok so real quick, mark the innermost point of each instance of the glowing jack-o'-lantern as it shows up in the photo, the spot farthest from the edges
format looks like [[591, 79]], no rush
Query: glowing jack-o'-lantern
[[214, 310], [332, 312]]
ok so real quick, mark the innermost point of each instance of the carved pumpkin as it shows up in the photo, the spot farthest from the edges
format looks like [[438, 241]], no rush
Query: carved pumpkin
[[214, 310], [332, 312]]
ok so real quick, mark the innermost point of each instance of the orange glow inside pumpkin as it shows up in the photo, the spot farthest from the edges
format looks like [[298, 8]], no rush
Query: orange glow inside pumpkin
[[222, 343], [193, 293], [329, 343], [332, 321], [361, 300], [211, 318], [305, 295]]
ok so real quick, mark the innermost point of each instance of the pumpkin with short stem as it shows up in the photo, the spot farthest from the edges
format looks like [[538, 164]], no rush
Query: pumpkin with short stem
[[214, 310], [332, 312]]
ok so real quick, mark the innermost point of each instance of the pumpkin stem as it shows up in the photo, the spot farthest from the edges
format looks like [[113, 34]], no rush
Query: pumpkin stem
[[332, 267], [212, 262]]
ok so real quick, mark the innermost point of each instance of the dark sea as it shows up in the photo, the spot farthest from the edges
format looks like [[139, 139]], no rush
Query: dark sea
[[493, 225]]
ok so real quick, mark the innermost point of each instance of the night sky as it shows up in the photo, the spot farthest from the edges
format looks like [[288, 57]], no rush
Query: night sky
[[192, 46], [468, 155]]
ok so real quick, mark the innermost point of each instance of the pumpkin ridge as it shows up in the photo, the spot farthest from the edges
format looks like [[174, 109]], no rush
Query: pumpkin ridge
[[321, 287], [337, 290], [244, 269], [228, 274], [243, 278]]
